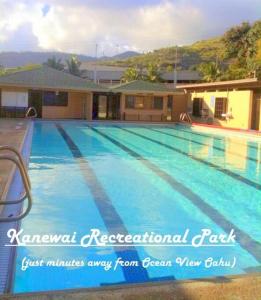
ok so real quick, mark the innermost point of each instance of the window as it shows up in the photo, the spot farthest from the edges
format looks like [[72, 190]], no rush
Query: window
[[157, 103], [130, 101], [53, 99], [220, 107], [134, 102], [62, 99], [144, 102], [197, 107], [139, 102]]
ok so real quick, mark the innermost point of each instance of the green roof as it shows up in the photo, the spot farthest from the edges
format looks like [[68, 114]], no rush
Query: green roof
[[46, 77], [140, 86]]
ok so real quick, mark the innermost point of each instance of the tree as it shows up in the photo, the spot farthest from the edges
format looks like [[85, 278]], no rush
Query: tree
[[236, 41], [255, 37], [210, 71], [131, 74], [2, 70], [253, 68], [153, 73], [73, 65], [54, 63], [241, 41], [170, 68], [234, 71]]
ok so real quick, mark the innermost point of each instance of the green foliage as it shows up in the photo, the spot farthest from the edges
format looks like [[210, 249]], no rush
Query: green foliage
[[238, 53], [131, 74], [153, 73], [234, 71], [55, 63], [5, 71], [238, 42], [242, 44], [170, 68], [210, 71], [189, 57], [2, 70], [73, 65]]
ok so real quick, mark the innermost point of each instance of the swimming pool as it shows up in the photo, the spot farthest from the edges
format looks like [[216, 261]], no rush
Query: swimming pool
[[132, 179]]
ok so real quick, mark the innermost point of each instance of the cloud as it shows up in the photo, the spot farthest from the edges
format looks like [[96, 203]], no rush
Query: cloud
[[75, 26], [26, 41], [14, 17], [140, 29]]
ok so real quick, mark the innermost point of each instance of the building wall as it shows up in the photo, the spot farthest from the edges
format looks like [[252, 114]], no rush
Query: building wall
[[77, 108], [143, 114], [79, 105], [180, 103], [239, 103], [148, 114], [256, 110]]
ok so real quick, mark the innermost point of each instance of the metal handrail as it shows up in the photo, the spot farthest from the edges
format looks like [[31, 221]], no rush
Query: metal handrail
[[27, 190], [31, 108], [17, 153], [183, 116]]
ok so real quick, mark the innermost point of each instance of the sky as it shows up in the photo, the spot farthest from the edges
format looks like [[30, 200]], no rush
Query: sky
[[76, 26]]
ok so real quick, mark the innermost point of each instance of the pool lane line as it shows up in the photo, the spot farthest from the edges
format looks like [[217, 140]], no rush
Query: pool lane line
[[209, 164], [208, 135], [110, 217], [242, 238], [202, 144]]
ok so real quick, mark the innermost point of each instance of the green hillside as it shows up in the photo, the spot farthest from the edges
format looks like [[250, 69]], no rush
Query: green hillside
[[235, 55], [188, 56]]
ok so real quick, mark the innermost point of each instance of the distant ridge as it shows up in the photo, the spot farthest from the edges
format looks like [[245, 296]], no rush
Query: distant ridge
[[125, 55], [18, 59]]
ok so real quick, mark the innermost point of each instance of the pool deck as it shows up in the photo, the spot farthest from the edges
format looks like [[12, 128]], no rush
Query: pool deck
[[12, 133], [243, 287]]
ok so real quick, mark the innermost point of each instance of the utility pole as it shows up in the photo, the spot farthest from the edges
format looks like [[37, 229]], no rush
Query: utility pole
[[175, 69], [95, 65]]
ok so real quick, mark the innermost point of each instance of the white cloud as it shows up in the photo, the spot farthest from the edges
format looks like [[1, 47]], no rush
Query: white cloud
[[75, 26], [14, 15]]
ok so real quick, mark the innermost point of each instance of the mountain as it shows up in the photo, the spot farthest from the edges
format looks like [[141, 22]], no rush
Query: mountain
[[126, 55], [188, 57], [17, 59], [239, 61]]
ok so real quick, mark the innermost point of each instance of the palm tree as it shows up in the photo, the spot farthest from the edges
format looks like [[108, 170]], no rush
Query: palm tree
[[153, 73], [210, 71], [2, 70], [131, 74], [54, 63], [73, 65]]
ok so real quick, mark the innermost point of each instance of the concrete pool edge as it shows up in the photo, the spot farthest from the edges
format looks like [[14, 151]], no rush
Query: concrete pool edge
[[14, 187], [241, 287], [19, 146]]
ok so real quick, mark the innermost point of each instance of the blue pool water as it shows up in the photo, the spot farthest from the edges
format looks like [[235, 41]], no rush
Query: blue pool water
[[134, 179]]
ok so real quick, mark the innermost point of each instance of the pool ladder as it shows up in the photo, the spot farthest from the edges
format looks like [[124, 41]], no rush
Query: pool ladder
[[18, 161], [29, 110], [185, 117]]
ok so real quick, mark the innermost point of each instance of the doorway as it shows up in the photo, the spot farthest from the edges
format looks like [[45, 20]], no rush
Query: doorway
[[197, 107], [106, 107], [170, 108], [35, 100]]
